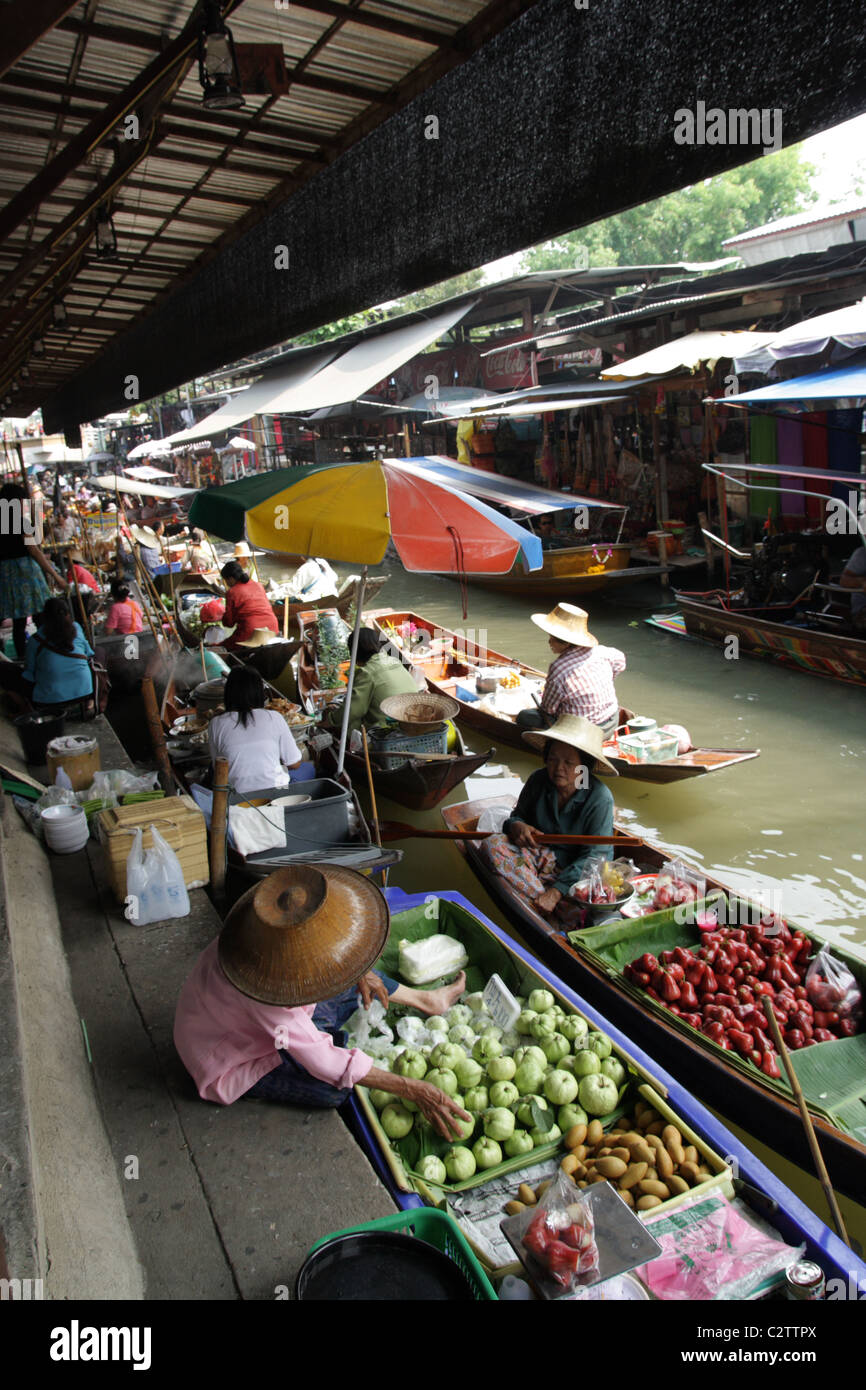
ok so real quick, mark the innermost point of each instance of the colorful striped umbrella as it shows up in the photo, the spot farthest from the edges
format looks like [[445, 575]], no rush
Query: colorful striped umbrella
[[350, 511]]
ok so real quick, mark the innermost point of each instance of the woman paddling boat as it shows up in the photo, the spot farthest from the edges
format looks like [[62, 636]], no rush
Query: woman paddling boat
[[562, 798]]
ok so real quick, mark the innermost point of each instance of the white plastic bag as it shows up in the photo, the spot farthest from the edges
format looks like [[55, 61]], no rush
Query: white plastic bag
[[431, 958], [155, 887]]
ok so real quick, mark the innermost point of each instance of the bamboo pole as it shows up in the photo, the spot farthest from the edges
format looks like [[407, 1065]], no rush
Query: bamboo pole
[[817, 1156], [376, 830], [201, 654], [218, 828], [157, 735], [286, 618]]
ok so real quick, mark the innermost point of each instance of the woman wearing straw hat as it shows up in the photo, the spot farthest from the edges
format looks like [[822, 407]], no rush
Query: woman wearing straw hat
[[563, 798], [251, 1020], [248, 608], [580, 679]]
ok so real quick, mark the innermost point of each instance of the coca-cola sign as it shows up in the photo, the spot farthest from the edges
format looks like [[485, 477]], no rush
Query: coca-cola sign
[[506, 368]]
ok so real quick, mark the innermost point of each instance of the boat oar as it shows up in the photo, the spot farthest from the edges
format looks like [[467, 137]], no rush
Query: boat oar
[[817, 1156], [218, 828], [401, 830]]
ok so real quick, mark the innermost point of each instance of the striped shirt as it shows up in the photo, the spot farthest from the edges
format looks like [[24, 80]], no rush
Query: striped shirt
[[580, 681]]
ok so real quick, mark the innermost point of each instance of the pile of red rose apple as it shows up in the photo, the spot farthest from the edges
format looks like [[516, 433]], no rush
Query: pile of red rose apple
[[719, 987]]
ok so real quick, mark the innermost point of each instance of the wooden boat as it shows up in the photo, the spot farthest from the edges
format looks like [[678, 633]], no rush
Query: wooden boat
[[357, 851], [342, 602], [453, 657], [771, 633], [763, 1106], [758, 1188], [418, 783], [565, 573]]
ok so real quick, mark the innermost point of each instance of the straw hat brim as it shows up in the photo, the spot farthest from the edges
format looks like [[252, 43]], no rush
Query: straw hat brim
[[304, 934], [564, 633], [584, 740], [260, 637], [145, 537], [423, 707]]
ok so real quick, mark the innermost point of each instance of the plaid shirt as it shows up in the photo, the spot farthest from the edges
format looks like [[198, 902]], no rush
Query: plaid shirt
[[580, 681]]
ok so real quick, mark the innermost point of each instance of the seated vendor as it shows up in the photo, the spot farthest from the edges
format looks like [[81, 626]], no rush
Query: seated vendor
[[150, 543], [124, 615], [256, 741], [247, 605], [854, 577], [580, 679], [76, 571], [57, 659], [377, 675], [563, 798], [257, 1015]]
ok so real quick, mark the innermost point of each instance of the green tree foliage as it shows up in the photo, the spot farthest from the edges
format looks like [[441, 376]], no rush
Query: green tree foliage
[[691, 224]]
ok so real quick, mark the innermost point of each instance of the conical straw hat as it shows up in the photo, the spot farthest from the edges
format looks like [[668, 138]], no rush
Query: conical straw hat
[[304, 934], [578, 733], [567, 623]]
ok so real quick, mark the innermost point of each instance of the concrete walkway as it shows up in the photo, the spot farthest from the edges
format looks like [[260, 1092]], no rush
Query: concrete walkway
[[221, 1202]]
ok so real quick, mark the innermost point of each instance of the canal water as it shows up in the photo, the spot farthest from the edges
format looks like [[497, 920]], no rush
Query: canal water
[[789, 823]]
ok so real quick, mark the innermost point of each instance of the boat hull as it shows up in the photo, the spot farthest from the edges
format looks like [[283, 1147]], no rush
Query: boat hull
[[831, 655], [579, 569], [772, 1118], [443, 674]]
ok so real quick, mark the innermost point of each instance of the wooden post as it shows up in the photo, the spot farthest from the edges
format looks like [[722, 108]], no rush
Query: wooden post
[[657, 480], [157, 735], [218, 828], [723, 525], [663, 559], [407, 440], [709, 549]]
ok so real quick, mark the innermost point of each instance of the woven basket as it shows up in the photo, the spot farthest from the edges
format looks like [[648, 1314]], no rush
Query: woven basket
[[421, 712]]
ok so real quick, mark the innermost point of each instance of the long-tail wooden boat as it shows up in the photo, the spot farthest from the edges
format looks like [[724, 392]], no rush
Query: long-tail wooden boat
[[765, 1107], [452, 658], [565, 573], [757, 1187], [342, 602], [357, 850], [418, 783], [769, 633]]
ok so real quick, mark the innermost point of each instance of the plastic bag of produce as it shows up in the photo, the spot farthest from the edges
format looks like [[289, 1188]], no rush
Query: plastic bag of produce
[[559, 1236], [832, 988], [678, 885], [430, 959], [714, 1250], [591, 889]]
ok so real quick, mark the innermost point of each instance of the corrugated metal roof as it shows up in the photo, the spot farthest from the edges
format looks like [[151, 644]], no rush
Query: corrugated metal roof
[[205, 175], [811, 217]]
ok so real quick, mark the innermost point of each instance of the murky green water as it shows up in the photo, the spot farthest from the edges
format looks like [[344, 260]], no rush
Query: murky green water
[[790, 822]]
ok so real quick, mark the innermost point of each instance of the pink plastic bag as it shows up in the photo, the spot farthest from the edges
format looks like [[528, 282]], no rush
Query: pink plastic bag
[[831, 986], [713, 1249]]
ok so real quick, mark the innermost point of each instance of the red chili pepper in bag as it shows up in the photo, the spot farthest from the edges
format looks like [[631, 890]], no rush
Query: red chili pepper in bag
[[562, 1262]]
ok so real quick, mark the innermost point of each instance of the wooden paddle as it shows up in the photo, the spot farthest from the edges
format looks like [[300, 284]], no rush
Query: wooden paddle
[[401, 830], [817, 1156]]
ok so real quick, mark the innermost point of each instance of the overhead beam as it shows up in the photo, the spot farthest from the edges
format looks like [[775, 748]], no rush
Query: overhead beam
[[25, 23], [534, 138], [159, 77]]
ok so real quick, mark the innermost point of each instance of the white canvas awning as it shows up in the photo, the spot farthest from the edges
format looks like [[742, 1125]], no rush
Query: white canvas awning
[[539, 407], [141, 489], [148, 474], [687, 354], [326, 378]]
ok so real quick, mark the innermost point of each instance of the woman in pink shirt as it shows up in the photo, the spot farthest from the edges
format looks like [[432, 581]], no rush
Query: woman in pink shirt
[[250, 1022], [124, 615]]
